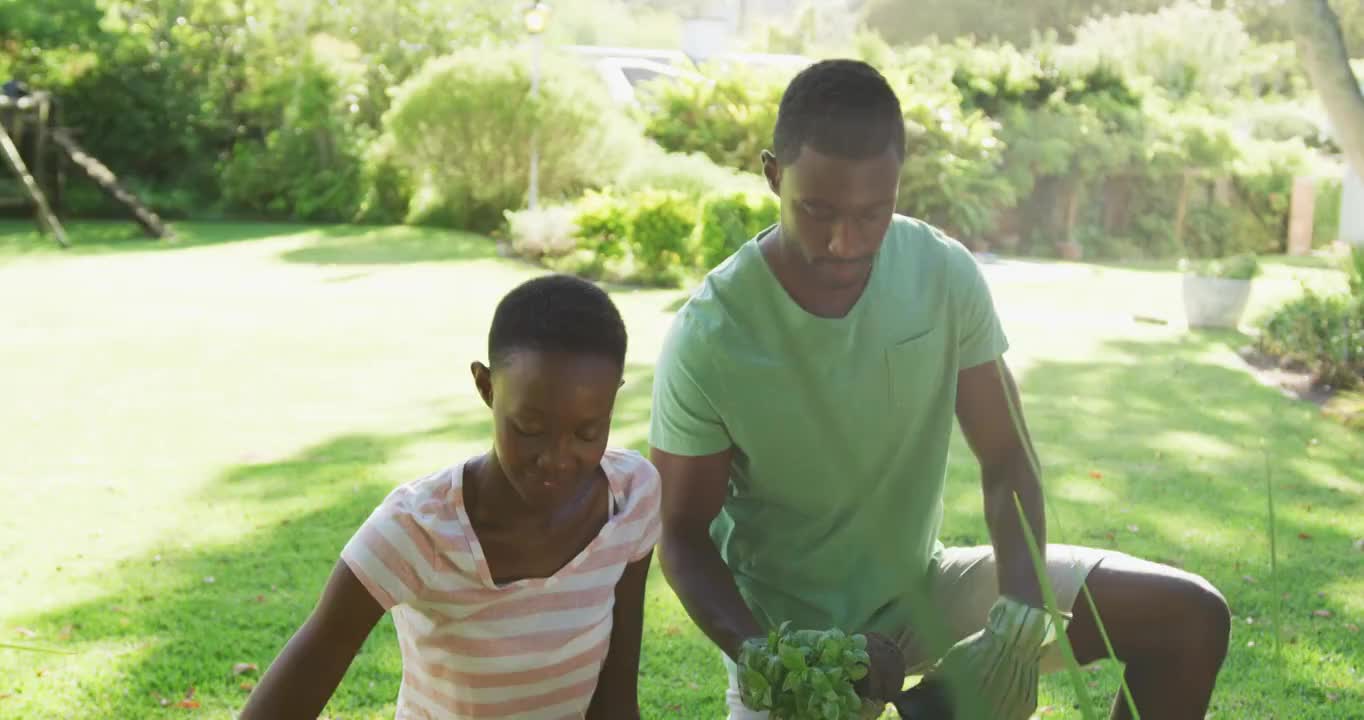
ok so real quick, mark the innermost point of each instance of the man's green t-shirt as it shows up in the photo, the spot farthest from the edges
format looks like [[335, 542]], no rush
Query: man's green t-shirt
[[840, 426]]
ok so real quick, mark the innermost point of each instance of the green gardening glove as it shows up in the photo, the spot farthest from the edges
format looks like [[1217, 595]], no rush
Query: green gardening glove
[[998, 665]]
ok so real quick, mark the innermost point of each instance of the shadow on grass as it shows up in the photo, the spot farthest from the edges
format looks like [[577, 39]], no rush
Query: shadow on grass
[[161, 627], [354, 245], [1160, 452]]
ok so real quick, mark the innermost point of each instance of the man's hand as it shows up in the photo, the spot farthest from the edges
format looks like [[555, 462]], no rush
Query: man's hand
[[998, 665], [886, 674]]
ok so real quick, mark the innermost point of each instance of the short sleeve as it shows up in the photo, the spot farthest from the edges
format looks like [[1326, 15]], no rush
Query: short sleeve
[[684, 419], [387, 554], [980, 337], [650, 487]]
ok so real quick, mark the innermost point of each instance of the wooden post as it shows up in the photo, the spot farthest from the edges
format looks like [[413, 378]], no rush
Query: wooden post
[[1301, 211], [41, 169], [1221, 190], [44, 212], [1181, 210]]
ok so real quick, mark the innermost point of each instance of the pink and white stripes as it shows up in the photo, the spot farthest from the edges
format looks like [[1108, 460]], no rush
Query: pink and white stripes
[[473, 649]]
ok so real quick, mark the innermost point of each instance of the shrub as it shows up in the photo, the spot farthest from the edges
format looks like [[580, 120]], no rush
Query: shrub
[[728, 115], [728, 220], [694, 173], [1188, 48], [464, 124], [1323, 333], [388, 186], [661, 227], [602, 225], [310, 163], [544, 232]]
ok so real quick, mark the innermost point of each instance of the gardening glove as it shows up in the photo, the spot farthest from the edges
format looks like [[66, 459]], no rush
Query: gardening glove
[[885, 672], [998, 665]]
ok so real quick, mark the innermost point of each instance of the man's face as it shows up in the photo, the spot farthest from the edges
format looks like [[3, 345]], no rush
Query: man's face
[[835, 211]]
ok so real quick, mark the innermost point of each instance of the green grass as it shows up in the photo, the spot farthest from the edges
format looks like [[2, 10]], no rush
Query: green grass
[[231, 407]]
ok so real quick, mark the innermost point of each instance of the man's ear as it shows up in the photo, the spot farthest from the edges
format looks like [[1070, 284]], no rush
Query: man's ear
[[483, 380], [772, 171]]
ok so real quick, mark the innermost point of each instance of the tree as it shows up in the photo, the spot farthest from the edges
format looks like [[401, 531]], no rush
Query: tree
[[1321, 46]]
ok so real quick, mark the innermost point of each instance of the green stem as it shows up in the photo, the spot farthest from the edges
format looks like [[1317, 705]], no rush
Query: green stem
[[1273, 558], [1049, 599], [1016, 416]]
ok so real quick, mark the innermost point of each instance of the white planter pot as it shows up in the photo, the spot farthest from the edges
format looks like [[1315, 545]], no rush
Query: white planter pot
[[1214, 302]]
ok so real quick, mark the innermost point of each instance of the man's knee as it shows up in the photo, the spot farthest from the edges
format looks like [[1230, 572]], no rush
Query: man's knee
[[1206, 620]]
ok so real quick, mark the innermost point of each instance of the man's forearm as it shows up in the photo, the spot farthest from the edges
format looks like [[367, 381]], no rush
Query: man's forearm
[[707, 590], [1014, 562]]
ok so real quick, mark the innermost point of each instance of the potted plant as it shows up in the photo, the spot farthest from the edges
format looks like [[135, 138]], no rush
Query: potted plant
[[1216, 291]]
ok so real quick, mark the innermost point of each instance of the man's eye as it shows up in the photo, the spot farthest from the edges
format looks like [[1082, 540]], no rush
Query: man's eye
[[818, 213], [526, 431]]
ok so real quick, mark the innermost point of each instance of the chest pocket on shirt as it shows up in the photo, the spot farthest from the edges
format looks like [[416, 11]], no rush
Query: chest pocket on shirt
[[917, 370]]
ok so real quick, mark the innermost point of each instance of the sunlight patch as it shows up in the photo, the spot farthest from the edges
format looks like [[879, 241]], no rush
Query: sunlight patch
[[1196, 444]]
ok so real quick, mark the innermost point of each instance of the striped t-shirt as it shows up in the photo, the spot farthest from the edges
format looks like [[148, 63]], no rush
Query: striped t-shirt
[[475, 649]]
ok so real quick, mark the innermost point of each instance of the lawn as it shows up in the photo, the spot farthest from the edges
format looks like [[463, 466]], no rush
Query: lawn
[[192, 432]]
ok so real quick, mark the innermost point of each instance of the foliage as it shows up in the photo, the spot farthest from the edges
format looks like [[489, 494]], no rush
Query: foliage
[[611, 23], [201, 101], [694, 174], [310, 164], [910, 21], [728, 220], [803, 674], [602, 225], [727, 114], [546, 231], [1354, 270], [1326, 212], [1188, 48], [1266, 19], [1282, 121], [388, 185], [1325, 333], [661, 227], [1236, 267], [464, 125]]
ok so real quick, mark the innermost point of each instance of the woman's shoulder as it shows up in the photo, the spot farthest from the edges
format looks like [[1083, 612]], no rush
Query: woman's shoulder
[[630, 473]]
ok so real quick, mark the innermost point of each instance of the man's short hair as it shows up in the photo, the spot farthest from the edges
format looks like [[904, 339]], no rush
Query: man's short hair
[[557, 313], [844, 108]]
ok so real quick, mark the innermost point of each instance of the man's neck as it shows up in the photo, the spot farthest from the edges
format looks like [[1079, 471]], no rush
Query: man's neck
[[801, 285]]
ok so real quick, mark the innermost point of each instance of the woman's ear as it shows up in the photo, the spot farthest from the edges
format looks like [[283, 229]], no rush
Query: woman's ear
[[483, 380]]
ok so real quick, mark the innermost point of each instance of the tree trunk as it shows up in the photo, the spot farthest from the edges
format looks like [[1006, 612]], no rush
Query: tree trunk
[[1321, 46]]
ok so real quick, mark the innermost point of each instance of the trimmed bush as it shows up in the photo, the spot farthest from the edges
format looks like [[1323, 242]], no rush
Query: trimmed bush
[[463, 127], [1324, 333]]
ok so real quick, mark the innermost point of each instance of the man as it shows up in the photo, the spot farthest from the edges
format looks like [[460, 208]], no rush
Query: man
[[803, 407]]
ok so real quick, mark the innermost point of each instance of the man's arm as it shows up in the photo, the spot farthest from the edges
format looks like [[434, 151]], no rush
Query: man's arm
[[617, 694], [991, 418], [694, 490], [301, 680]]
